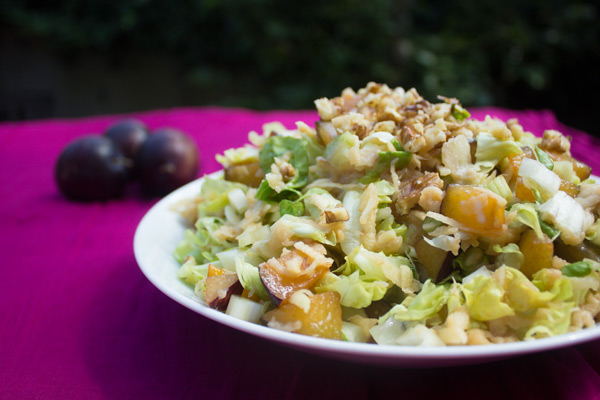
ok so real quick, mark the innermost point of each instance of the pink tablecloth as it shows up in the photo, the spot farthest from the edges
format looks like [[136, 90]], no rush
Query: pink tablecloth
[[79, 320]]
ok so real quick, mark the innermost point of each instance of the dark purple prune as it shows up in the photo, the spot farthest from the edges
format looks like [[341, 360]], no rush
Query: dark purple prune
[[91, 168], [128, 136], [167, 160]]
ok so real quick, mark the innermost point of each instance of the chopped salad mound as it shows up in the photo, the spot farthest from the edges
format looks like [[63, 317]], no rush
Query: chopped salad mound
[[398, 221]]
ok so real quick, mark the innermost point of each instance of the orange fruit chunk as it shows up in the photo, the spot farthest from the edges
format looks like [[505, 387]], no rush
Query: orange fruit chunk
[[476, 208], [538, 253], [320, 316]]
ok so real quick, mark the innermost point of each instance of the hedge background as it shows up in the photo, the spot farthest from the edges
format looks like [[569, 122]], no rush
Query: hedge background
[[81, 57]]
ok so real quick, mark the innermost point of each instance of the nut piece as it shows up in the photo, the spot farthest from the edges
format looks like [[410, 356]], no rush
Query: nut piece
[[410, 192]]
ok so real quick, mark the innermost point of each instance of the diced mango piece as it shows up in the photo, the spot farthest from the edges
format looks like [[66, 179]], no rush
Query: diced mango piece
[[513, 162], [522, 192], [309, 314], [569, 188], [215, 271], [538, 252], [582, 170], [476, 208]]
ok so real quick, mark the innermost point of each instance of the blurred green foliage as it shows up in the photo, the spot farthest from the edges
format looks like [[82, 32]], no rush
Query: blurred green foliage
[[282, 54]]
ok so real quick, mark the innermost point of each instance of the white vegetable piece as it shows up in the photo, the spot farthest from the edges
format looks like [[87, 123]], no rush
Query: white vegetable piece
[[353, 332], [536, 176], [483, 271], [568, 216], [420, 335], [237, 198], [243, 308]]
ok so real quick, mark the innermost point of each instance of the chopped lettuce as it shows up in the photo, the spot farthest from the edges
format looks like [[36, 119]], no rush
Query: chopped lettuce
[[242, 155], [490, 150], [577, 269], [567, 215], [249, 277], [383, 164], [539, 178], [509, 255], [202, 245], [469, 261], [191, 273], [214, 195], [355, 291], [484, 299], [294, 208], [499, 186], [278, 146], [351, 239], [526, 214], [544, 158], [424, 305], [343, 152]]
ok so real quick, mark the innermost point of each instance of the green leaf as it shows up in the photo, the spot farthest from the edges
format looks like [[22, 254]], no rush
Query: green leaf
[[470, 260], [526, 215], [577, 269], [459, 112], [277, 146], [484, 299], [383, 164], [544, 158], [426, 304], [295, 208], [548, 229]]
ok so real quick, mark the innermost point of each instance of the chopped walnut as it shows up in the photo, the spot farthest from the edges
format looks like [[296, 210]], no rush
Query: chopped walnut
[[302, 259], [410, 192], [555, 142]]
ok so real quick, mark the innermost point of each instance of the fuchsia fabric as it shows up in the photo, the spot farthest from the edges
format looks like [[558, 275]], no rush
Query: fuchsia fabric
[[79, 320]]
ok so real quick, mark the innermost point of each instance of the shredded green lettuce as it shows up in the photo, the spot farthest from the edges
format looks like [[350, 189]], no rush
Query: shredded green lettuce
[[544, 158], [526, 214], [277, 146], [249, 277], [484, 299], [424, 305], [490, 150], [383, 164], [355, 291], [577, 269]]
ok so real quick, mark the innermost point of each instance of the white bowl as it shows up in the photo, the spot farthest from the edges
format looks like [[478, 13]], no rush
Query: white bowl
[[161, 230]]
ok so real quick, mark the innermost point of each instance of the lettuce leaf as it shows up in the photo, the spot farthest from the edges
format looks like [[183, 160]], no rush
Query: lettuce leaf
[[577, 269], [544, 158], [490, 150], [550, 321], [343, 151], [354, 291], [424, 305], [201, 244], [526, 214], [383, 164], [351, 239], [249, 277], [484, 299], [509, 255], [378, 266], [192, 273], [277, 146], [214, 195], [294, 208]]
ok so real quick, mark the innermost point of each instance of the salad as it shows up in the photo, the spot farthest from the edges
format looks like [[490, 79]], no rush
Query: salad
[[395, 220]]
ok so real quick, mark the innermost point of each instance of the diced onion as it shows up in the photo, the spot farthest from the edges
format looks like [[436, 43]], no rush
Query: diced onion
[[536, 176], [243, 308]]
